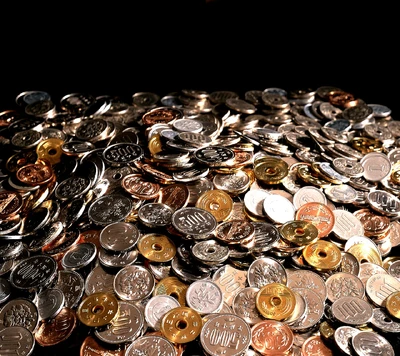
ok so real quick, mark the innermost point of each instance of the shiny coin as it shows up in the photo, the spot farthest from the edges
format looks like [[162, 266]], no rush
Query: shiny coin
[[204, 296], [299, 232], [50, 149], [318, 214], [140, 187], [227, 324], [322, 255], [235, 232], [367, 342], [119, 236], [133, 283], [25, 337], [172, 286], [266, 270], [98, 309], [275, 301], [156, 307], [156, 247], [181, 325], [392, 304], [263, 341], [270, 170], [379, 286]]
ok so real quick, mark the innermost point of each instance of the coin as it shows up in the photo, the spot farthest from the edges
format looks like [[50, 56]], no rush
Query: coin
[[98, 309]]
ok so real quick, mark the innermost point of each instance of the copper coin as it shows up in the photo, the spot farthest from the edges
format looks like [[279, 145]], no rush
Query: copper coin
[[57, 329], [35, 174], [161, 115], [314, 345], [319, 214], [139, 187], [92, 347], [175, 195], [10, 203], [271, 337]]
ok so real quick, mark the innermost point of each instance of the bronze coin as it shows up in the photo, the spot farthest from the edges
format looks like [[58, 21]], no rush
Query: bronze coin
[[57, 329]]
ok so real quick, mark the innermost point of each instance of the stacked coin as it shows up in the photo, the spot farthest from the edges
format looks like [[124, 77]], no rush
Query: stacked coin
[[200, 223]]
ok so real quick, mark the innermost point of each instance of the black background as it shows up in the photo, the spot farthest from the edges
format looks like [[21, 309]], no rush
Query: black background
[[119, 48]]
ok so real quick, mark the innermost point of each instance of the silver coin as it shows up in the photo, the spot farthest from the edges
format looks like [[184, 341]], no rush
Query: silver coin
[[193, 221], [33, 272], [151, 345], [204, 296], [99, 280], [19, 312], [343, 335], [50, 302], [16, 340], [343, 284], [79, 256], [126, 327], [134, 283], [353, 311], [301, 278], [266, 270], [72, 284], [156, 307], [384, 322], [244, 305], [122, 153], [119, 236], [369, 342], [109, 209], [210, 252]]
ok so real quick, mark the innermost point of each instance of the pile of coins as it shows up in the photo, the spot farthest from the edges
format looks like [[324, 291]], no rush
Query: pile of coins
[[200, 223]]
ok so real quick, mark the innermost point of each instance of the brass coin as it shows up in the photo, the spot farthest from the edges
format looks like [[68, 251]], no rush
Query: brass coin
[[50, 149], [156, 247], [172, 286], [299, 232], [271, 170], [217, 202], [323, 255], [309, 176], [366, 145], [98, 309], [155, 144], [392, 304], [275, 301], [365, 253], [181, 325]]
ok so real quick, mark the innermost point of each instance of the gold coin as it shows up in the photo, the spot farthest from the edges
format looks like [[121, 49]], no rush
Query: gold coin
[[309, 176], [156, 247], [181, 325], [217, 202], [98, 309], [366, 145], [365, 253], [323, 255], [172, 286], [275, 301], [155, 144], [392, 304], [271, 170], [395, 175], [299, 232], [50, 149]]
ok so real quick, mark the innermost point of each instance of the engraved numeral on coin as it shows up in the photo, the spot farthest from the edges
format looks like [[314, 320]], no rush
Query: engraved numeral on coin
[[350, 309]]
